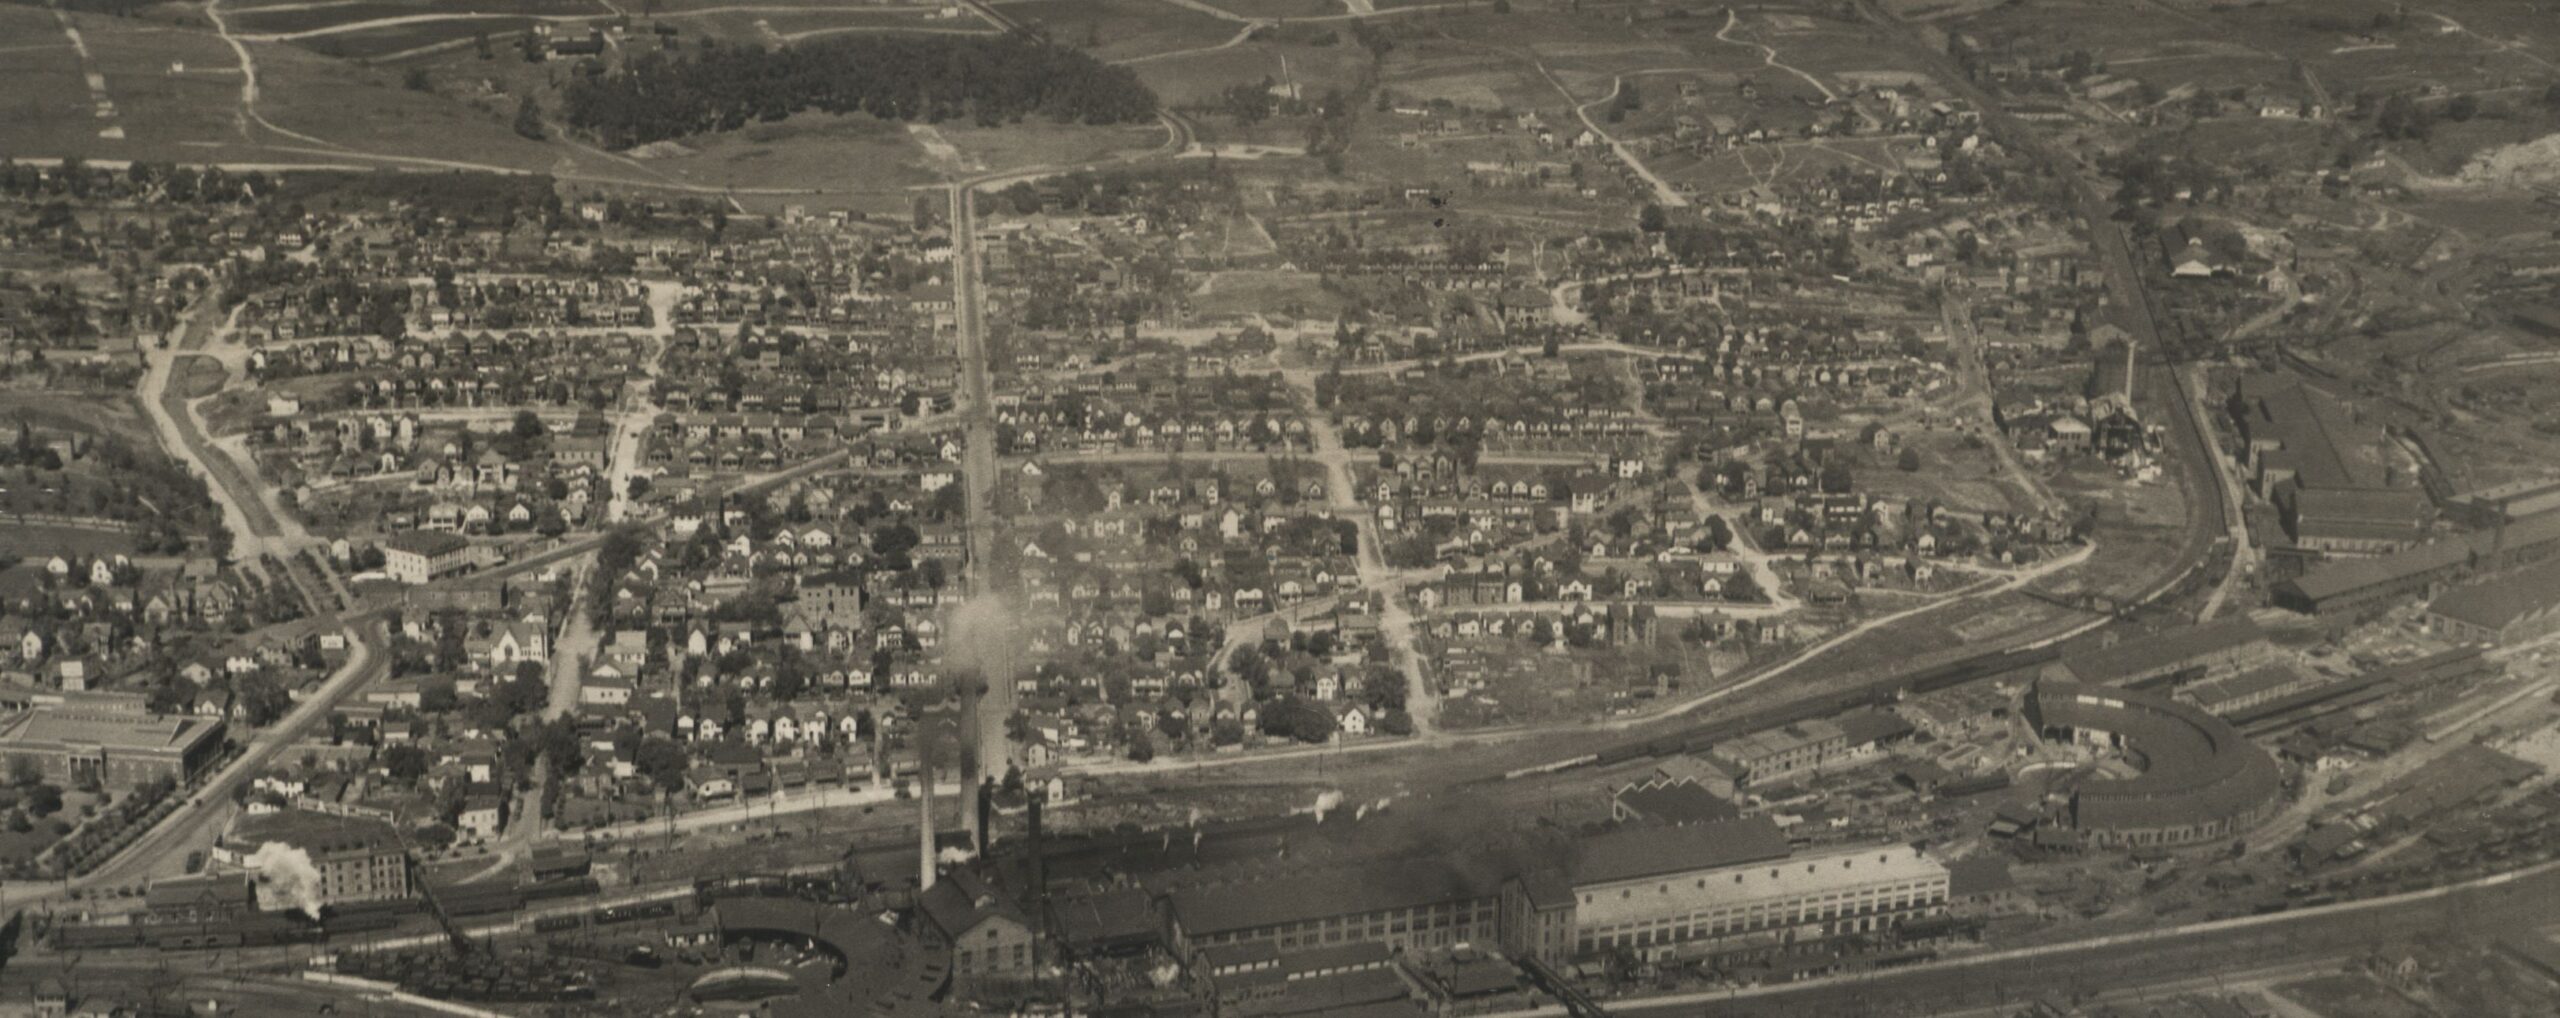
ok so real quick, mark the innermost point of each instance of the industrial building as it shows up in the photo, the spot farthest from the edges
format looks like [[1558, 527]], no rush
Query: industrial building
[[1412, 905], [2349, 585], [1660, 891], [2172, 657], [2518, 606], [2201, 780], [352, 858], [1808, 747], [2323, 469], [1696, 890]]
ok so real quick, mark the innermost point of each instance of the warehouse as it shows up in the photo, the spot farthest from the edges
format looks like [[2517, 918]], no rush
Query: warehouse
[[2351, 584], [2518, 606]]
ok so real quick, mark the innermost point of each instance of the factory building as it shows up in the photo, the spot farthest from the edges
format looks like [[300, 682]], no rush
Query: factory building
[[1702, 889]]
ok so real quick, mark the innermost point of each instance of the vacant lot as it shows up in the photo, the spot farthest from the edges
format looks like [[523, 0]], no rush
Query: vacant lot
[[1295, 294]]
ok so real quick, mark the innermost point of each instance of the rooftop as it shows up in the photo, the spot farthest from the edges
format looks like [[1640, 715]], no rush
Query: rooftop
[[126, 732], [429, 543], [320, 834], [2197, 769], [1318, 894], [2145, 655], [2494, 604], [2330, 579], [1638, 853]]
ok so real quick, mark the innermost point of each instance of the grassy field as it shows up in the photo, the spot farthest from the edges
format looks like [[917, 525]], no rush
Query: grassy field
[[1296, 294], [1120, 29], [1041, 143], [1282, 10], [38, 542], [1290, 56], [302, 18], [177, 97], [810, 150], [118, 417]]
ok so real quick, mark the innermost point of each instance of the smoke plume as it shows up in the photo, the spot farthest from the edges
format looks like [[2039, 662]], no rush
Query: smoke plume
[[1327, 802], [285, 878]]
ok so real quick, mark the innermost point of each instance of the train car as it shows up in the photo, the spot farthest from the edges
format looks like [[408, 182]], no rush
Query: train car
[[359, 922], [637, 912], [96, 936], [558, 923], [477, 901], [561, 887]]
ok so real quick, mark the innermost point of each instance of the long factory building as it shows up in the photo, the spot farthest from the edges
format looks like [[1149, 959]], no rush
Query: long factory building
[[1658, 892]]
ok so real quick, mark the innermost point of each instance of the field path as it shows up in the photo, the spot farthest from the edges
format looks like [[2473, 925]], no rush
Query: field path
[[249, 82], [408, 19]]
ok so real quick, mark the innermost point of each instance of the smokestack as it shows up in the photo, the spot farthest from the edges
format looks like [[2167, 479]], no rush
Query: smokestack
[[924, 811], [1039, 877], [985, 815]]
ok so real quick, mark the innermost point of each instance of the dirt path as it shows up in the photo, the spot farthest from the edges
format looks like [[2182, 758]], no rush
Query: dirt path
[[1769, 55], [249, 82]]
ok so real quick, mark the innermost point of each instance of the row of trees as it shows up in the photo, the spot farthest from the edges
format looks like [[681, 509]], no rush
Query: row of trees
[[991, 80]]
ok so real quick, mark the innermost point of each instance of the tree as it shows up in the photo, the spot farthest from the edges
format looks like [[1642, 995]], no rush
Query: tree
[[994, 80], [528, 119], [263, 698], [405, 764], [1652, 219], [2462, 108], [1909, 461], [415, 80], [44, 800], [662, 761], [528, 426], [559, 744], [2402, 119]]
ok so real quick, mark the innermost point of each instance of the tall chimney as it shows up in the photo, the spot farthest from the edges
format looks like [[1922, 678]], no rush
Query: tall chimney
[[924, 810], [985, 815], [1039, 878]]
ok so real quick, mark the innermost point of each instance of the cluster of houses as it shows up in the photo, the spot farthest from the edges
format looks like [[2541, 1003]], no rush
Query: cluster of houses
[[79, 624], [1142, 411]]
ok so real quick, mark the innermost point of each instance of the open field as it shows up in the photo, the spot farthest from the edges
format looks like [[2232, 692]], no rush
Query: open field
[[1960, 478], [396, 40], [812, 150], [117, 417], [1285, 55], [1119, 29], [1282, 10], [1044, 143], [38, 542], [1297, 294], [177, 97]]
